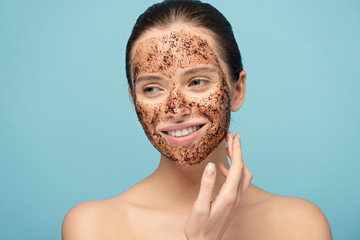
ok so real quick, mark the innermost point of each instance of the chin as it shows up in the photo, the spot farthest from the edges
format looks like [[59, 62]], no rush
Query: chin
[[193, 154]]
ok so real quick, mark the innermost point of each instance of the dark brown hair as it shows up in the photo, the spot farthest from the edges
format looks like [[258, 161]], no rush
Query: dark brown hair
[[194, 12]]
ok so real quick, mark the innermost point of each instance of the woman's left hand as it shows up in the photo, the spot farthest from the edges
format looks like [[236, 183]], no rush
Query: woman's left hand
[[208, 219]]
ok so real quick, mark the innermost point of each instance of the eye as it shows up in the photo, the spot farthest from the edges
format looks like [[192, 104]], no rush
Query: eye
[[151, 89], [197, 82]]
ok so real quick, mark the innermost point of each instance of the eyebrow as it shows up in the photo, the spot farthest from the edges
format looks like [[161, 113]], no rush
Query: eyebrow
[[147, 78], [200, 69], [187, 72]]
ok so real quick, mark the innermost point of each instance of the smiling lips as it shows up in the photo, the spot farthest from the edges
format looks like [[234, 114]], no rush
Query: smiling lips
[[185, 136], [183, 132]]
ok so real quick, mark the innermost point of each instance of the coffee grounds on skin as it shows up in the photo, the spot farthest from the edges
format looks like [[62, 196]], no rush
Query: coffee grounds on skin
[[166, 54]]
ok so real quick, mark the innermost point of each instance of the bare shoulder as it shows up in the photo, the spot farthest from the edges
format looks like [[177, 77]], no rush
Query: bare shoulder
[[280, 217], [93, 220], [300, 219], [81, 221]]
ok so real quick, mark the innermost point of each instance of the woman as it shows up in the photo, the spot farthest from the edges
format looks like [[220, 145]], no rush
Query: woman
[[185, 77]]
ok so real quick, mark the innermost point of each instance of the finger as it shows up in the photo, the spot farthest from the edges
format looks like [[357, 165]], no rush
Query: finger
[[241, 185], [244, 185], [247, 179], [203, 201], [231, 140], [223, 170], [236, 151], [229, 143], [230, 194], [236, 169]]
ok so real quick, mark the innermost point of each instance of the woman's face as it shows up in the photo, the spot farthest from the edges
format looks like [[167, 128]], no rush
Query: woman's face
[[181, 94]]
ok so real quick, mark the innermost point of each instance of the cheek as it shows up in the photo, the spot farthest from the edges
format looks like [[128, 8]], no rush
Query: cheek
[[148, 116], [215, 106]]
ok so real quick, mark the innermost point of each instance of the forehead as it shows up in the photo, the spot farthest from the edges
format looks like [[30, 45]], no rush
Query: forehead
[[165, 52]]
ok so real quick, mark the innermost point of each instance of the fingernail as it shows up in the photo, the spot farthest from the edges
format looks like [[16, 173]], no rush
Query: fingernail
[[210, 169]]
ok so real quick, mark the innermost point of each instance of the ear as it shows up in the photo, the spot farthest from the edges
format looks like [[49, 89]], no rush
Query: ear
[[239, 92], [130, 92]]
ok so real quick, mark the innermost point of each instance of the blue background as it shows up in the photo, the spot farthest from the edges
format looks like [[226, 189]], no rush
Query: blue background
[[68, 132]]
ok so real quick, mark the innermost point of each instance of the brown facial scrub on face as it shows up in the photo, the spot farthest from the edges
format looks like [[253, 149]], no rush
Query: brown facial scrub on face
[[165, 55]]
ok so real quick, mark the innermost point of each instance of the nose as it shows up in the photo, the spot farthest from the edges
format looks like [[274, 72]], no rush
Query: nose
[[176, 105]]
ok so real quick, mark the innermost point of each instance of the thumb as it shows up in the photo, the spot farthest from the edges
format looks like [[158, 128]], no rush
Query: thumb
[[206, 187]]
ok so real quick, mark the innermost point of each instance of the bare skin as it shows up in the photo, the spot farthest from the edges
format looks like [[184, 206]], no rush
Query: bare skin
[[180, 201]]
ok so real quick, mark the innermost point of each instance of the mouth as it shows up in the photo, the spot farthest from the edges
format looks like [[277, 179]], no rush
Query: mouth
[[184, 135], [184, 132]]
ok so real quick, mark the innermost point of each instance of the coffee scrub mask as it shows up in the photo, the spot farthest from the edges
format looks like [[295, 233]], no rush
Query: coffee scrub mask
[[164, 55]]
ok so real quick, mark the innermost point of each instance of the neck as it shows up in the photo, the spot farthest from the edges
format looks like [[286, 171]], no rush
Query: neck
[[182, 184]]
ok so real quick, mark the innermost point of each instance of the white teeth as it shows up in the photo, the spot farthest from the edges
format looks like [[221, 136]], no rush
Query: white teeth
[[183, 132]]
